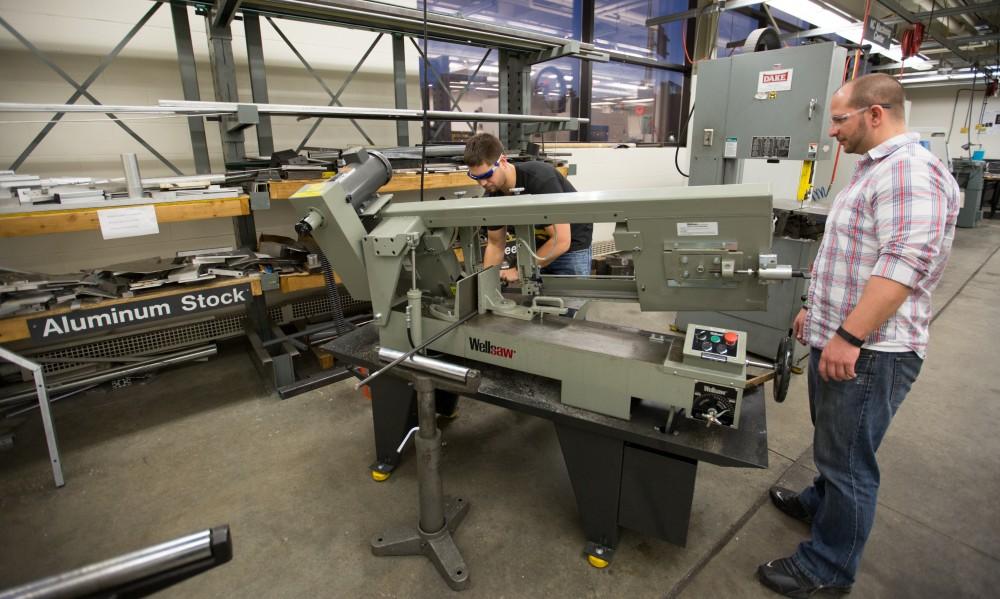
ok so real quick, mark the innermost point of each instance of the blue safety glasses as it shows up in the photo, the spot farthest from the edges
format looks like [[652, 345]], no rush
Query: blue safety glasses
[[485, 175]]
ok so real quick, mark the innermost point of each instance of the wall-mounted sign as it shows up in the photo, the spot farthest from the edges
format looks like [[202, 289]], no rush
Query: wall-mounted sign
[[878, 32], [86, 322]]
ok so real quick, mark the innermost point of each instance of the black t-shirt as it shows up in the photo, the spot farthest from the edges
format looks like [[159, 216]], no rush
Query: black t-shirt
[[541, 177]]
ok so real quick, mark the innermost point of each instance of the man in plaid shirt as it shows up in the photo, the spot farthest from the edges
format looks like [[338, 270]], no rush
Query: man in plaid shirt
[[886, 242]]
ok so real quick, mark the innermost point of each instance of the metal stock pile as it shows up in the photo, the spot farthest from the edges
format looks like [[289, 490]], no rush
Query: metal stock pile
[[29, 292]]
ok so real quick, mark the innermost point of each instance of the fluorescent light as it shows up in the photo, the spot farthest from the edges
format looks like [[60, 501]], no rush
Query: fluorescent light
[[957, 75]]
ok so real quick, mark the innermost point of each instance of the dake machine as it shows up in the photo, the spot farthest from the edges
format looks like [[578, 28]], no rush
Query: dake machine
[[641, 400]]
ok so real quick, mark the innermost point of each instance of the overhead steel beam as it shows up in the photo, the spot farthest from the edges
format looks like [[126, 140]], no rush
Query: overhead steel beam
[[378, 16], [969, 39], [912, 18], [987, 7], [343, 112]]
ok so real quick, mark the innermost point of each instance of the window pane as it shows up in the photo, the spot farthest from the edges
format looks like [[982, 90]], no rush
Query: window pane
[[451, 66], [558, 18], [733, 27], [555, 89], [621, 26], [636, 104]]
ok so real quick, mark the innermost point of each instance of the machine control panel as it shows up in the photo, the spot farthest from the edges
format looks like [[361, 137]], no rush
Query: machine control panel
[[715, 348], [716, 342]]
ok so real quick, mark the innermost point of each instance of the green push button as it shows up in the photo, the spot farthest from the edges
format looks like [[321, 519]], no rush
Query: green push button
[[715, 338]]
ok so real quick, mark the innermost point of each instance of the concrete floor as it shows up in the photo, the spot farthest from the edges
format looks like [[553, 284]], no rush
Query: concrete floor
[[207, 444]]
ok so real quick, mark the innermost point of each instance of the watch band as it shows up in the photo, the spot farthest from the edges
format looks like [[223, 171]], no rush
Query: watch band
[[846, 336]]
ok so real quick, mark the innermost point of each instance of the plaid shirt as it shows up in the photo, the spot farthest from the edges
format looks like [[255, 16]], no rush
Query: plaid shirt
[[896, 219]]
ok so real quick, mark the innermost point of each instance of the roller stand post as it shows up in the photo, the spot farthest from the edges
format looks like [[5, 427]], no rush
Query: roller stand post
[[439, 516]]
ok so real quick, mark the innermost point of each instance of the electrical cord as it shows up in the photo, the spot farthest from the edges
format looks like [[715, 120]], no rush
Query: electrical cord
[[682, 134], [424, 98]]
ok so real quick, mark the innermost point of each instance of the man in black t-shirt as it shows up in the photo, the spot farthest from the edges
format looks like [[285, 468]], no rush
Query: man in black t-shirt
[[563, 249]]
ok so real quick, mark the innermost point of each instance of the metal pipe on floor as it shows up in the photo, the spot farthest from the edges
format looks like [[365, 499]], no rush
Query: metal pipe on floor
[[114, 373]]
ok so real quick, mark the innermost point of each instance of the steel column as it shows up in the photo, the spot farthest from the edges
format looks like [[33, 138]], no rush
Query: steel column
[[586, 84], [189, 83], [220, 51], [399, 85], [258, 80], [515, 96]]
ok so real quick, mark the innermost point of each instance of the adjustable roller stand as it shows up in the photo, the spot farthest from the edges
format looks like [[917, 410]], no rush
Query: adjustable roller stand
[[439, 516]]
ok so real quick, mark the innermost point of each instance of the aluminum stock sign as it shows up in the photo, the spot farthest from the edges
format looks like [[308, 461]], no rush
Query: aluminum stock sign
[[97, 320]]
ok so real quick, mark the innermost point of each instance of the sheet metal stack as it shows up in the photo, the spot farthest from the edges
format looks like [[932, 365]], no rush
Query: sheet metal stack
[[23, 292]]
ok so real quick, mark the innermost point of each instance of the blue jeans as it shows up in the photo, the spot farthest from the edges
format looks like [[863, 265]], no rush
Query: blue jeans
[[850, 419], [576, 262]]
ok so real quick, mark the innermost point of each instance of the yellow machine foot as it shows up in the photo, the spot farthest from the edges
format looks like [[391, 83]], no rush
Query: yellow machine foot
[[597, 562], [380, 476], [797, 370]]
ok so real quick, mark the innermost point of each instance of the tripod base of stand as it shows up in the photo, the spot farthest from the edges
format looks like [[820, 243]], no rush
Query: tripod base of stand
[[439, 547]]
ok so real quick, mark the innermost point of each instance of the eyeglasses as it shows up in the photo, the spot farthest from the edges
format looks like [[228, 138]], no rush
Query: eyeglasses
[[485, 175], [837, 119]]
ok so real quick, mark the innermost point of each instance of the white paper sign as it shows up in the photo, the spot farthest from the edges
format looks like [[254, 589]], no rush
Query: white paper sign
[[778, 80], [731, 147], [128, 222], [689, 229]]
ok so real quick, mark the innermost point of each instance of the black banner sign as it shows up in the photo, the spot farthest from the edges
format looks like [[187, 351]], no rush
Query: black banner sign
[[86, 322], [878, 32]]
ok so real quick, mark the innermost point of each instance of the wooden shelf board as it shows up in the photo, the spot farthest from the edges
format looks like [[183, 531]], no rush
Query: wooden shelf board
[[282, 190], [85, 219]]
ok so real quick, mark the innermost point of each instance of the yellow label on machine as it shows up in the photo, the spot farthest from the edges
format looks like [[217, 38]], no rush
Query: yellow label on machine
[[309, 189], [805, 180]]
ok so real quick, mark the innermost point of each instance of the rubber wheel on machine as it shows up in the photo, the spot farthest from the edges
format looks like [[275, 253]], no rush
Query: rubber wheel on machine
[[783, 369]]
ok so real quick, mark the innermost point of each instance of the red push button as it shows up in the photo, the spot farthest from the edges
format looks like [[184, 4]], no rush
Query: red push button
[[730, 338]]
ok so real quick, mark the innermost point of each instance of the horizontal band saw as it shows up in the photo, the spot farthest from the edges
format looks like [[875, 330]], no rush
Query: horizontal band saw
[[693, 248]]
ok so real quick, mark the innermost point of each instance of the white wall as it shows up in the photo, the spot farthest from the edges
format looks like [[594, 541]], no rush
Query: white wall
[[933, 106], [601, 169], [77, 35]]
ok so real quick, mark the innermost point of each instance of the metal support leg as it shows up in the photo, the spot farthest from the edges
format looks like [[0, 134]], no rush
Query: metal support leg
[[43, 406], [594, 464], [439, 517]]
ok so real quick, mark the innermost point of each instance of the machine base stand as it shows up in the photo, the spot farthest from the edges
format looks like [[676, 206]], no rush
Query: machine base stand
[[598, 556], [439, 547]]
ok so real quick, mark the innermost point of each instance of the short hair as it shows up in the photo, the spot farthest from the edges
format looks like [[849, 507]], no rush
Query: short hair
[[877, 88], [482, 148]]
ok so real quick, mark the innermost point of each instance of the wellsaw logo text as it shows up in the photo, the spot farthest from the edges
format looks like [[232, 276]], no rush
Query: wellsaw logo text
[[487, 347]]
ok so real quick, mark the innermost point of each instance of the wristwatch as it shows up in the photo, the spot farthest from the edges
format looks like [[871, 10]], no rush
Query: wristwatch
[[846, 336]]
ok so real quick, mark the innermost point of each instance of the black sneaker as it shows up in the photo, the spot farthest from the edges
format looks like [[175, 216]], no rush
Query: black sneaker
[[784, 577], [788, 502]]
